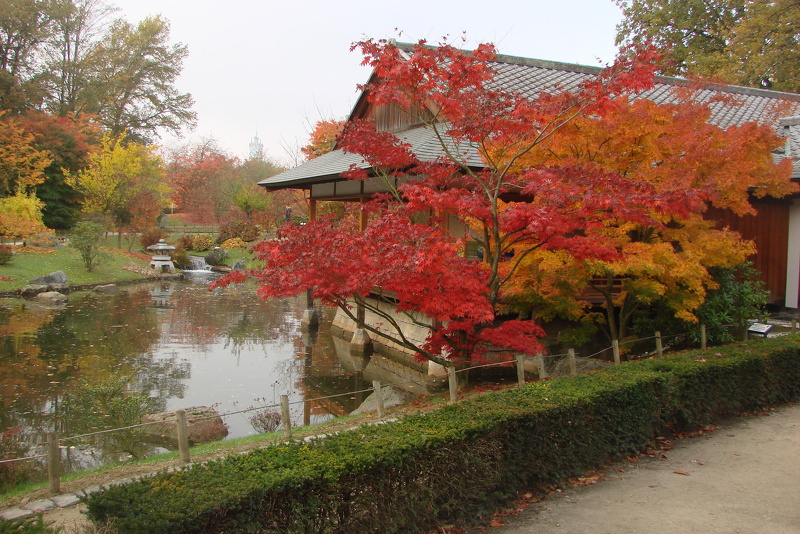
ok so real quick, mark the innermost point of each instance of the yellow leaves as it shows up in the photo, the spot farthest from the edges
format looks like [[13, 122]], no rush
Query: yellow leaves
[[117, 173]]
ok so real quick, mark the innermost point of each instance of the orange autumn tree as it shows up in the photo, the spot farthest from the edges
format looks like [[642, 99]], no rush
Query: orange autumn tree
[[514, 210], [670, 146], [323, 138]]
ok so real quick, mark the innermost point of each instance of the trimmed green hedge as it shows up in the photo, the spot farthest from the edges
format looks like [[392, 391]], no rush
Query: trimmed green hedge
[[458, 462]]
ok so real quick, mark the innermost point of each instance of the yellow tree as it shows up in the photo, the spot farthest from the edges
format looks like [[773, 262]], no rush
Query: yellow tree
[[668, 146], [118, 177]]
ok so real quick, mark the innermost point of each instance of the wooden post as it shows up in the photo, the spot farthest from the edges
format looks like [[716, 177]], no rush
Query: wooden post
[[615, 346], [53, 463], [183, 436], [703, 339], [286, 417], [376, 385], [794, 325], [573, 367], [312, 209], [451, 376], [520, 370], [659, 345], [542, 370]]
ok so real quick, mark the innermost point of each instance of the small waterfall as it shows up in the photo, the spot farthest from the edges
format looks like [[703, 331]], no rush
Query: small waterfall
[[199, 264]]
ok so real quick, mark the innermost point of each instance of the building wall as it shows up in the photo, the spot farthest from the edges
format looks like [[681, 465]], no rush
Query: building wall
[[769, 229]]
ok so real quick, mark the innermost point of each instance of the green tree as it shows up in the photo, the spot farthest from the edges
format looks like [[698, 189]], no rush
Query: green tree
[[133, 89], [77, 27], [25, 28], [244, 193], [745, 42], [87, 239]]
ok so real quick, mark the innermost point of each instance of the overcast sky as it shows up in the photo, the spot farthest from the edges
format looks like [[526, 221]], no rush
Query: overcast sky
[[276, 67]]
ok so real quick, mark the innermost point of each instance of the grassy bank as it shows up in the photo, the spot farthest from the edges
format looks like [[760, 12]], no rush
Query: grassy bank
[[120, 265], [30, 263]]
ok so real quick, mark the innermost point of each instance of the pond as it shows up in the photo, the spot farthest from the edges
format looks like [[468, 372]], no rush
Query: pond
[[180, 344]]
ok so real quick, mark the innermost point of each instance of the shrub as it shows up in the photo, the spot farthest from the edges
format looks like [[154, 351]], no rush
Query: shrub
[[151, 236], [461, 460], [186, 241], [244, 230], [10, 448], [29, 525], [6, 254], [181, 256], [236, 242], [265, 421], [87, 238], [216, 256], [203, 242]]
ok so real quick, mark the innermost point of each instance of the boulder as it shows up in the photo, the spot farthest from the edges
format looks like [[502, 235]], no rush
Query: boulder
[[391, 397], [203, 424], [58, 277], [32, 290]]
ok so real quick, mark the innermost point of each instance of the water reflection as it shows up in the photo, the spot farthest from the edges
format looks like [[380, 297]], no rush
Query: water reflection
[[182, 344]]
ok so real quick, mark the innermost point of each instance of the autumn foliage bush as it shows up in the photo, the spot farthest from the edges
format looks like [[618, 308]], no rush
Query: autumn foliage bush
[[236, 242], [202, 243], [11, 447], [151, 236], [462, 460]]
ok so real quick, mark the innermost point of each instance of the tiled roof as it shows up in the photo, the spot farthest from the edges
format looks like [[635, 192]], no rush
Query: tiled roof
[[532, 76]]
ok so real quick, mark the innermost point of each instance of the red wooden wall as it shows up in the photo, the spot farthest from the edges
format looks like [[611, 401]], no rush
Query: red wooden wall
[[770, 231]]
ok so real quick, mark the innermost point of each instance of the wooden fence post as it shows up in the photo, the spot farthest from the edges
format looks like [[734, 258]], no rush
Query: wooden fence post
[[53, 463], [376, 385], [451, 378], [703, 338], [573, 367], [286, 418], [659, 345], [794, 325], [520, 370], [542, 369], [615, 347], [183, 435]]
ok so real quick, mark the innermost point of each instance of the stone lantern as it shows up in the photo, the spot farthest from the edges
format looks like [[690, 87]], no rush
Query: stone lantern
[[161, 261]]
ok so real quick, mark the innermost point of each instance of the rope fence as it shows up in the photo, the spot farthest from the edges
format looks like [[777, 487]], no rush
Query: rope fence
[[181, 423]]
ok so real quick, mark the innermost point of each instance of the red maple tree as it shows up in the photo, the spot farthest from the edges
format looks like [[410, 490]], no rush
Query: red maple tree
[[407, 259]]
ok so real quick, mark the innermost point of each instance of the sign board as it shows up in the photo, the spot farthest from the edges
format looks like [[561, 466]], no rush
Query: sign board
[[760, 329]]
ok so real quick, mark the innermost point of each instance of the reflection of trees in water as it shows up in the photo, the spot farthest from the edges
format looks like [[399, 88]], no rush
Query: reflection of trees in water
[[43, 352], [234, 314], [161, 377]]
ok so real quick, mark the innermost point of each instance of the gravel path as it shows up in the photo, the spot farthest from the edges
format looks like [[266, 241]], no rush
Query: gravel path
[[743, 477]]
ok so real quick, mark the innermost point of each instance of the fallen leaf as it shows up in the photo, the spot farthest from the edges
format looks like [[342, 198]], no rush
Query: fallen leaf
[[684, 473]]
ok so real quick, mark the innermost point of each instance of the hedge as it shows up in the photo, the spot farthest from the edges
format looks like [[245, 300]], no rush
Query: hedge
[[461, 461]]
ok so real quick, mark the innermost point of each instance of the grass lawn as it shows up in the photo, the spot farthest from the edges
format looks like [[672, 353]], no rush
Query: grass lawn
[[32, 263]]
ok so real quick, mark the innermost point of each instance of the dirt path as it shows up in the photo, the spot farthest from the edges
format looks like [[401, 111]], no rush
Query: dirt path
[[743, 477]]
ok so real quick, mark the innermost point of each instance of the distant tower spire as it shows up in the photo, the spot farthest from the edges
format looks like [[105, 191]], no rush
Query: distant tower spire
[[256, 147]]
